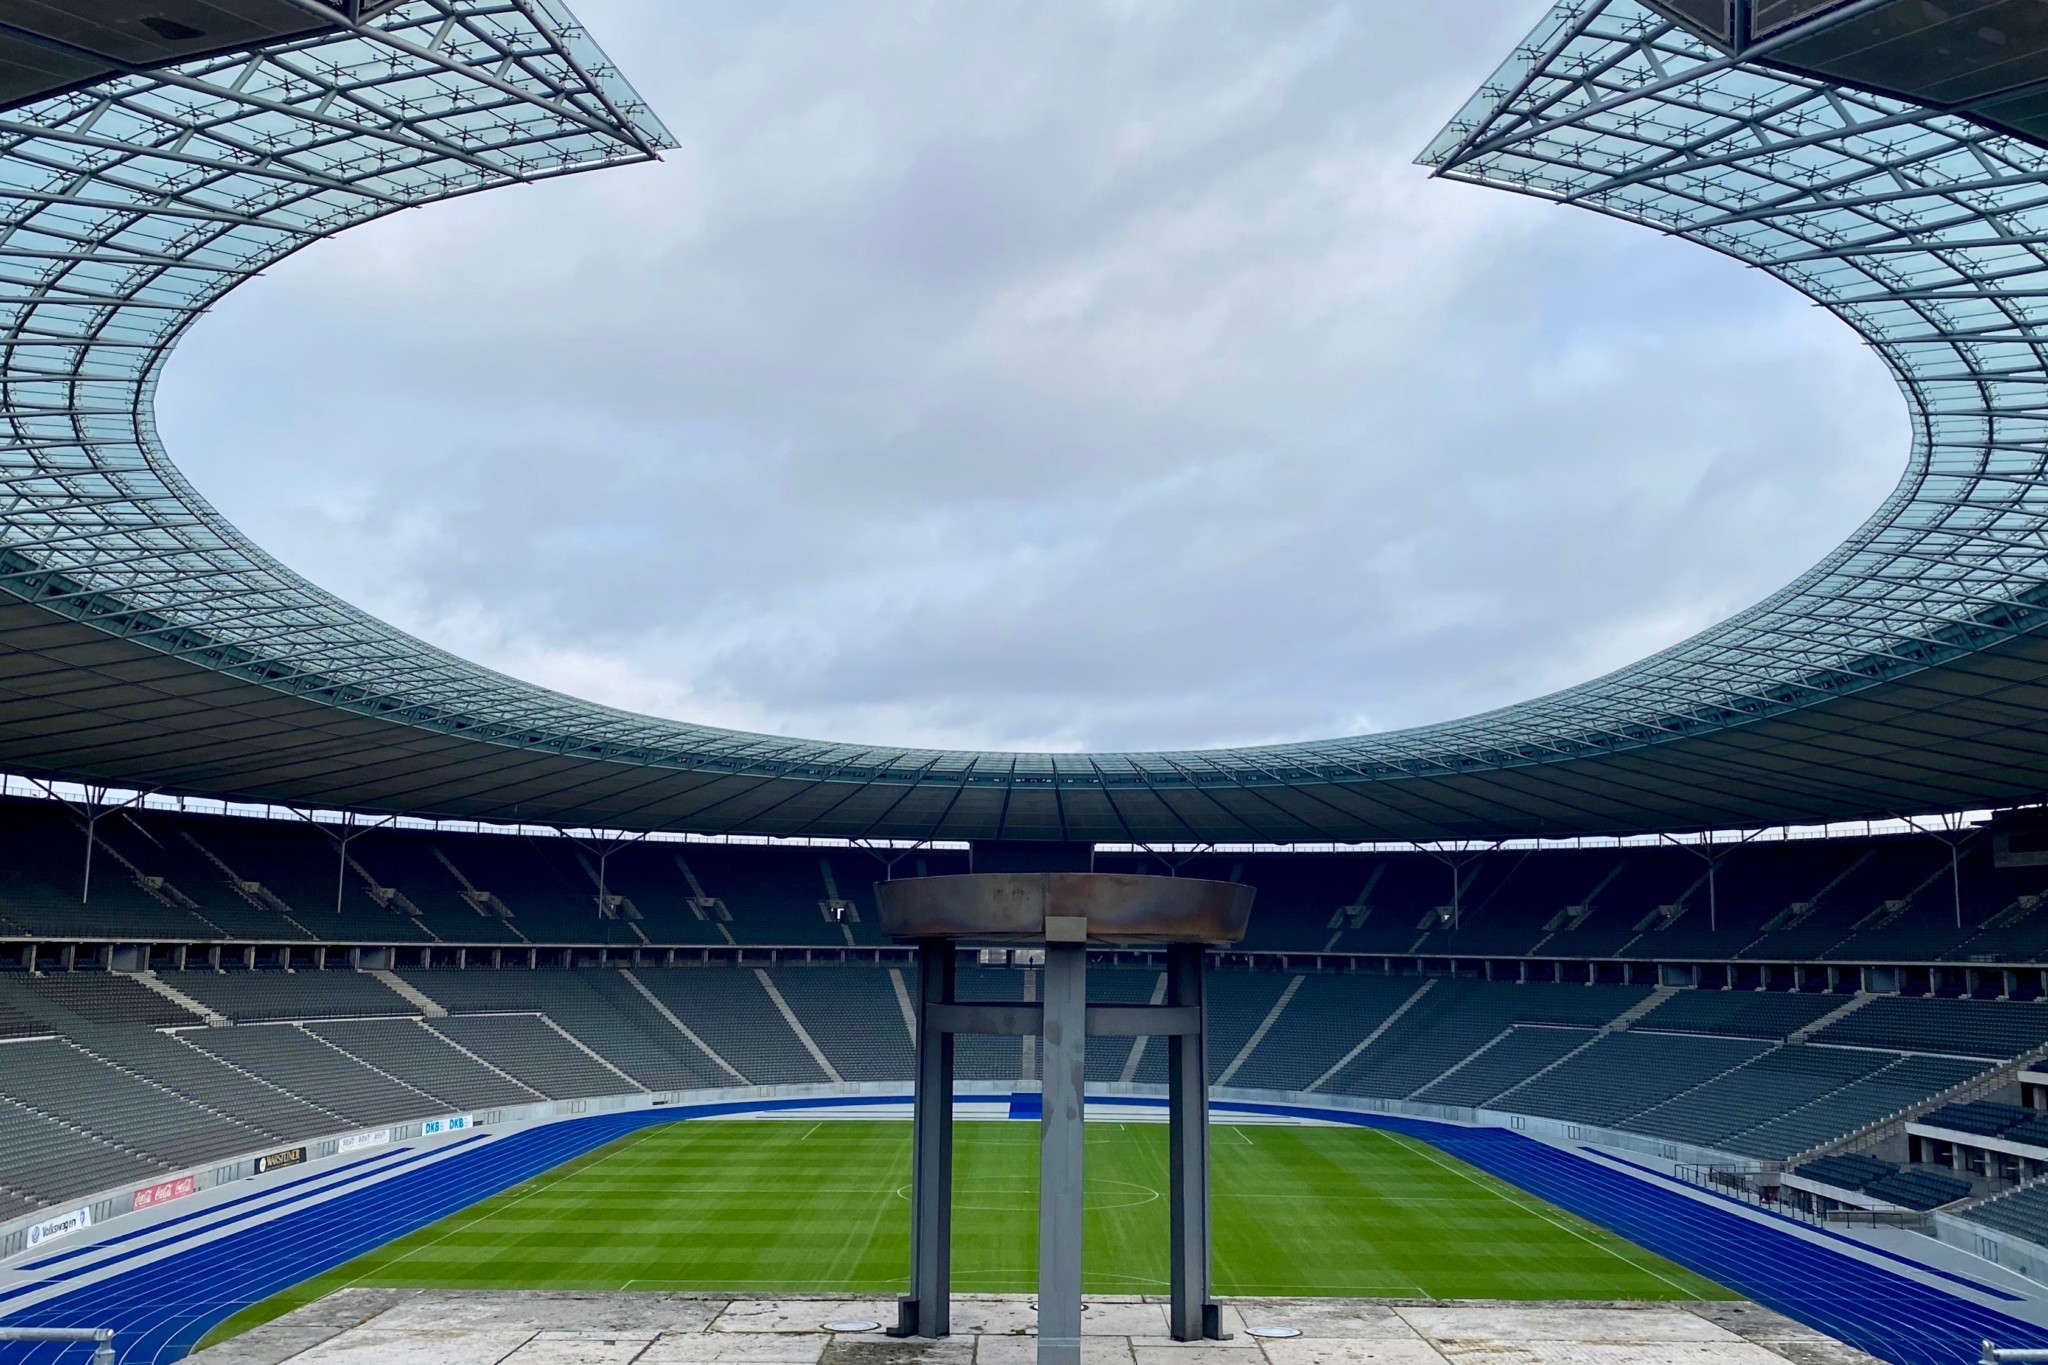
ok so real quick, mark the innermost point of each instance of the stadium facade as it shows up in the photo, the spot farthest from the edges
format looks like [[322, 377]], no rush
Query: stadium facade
[[145, 642]]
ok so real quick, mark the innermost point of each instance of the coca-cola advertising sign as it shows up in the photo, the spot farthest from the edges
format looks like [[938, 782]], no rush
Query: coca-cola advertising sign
[[165, 1191]]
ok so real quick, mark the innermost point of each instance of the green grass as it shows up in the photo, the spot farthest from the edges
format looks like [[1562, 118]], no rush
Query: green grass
[[772, 1206]]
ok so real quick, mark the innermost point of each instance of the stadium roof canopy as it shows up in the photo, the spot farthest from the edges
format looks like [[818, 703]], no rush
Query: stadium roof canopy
[[145, 642]]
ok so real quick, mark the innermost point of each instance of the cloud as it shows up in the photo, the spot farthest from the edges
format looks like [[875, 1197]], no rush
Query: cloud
[[1014, 375]]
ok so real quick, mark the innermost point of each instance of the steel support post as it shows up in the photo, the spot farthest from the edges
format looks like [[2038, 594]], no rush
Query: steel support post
[[1063, 1066], [927, 1312], [1191, 1316]]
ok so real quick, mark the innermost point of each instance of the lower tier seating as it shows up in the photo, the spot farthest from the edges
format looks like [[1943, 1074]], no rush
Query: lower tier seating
[[127, 1083]]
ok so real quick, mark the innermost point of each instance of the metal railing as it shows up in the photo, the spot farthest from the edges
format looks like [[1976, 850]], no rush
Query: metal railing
[[105, 1338], [1994, 1356]]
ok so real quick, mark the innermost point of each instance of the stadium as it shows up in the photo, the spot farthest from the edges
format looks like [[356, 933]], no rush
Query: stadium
[[360, 1003]]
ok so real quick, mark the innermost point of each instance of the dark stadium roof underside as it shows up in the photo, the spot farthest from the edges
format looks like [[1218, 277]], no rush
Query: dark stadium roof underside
[[145, 642]]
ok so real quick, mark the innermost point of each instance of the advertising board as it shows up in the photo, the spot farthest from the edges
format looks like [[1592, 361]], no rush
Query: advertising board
[[164, 1191], [277, 1161], [356, 1142], [454, 1123], [63, 1225]]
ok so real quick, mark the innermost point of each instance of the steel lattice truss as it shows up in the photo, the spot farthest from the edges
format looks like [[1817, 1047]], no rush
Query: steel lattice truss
[[131, 205]]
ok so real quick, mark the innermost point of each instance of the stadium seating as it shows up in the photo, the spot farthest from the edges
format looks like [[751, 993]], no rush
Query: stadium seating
[[45, 1161], [63, 1081], [318, 1072], [1625, 1074], [855, 1016], [597, 1008], [1979, 1118], [528, 1049], [1742, 1014], [253, 997], [1108, 1059], [1847, 1171], [1324, 1019], [1968, 1028], [1513, 1057], [1903, 1083], [1399, 1009], [2022, 1212], [977, 1057], [165, 876], [110, 999], [1781, 1080], [1918, 1189], [1459, 1016], [409, 1052]]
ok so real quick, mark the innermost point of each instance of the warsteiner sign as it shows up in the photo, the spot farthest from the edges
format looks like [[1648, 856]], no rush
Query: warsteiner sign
[[277, 1161]]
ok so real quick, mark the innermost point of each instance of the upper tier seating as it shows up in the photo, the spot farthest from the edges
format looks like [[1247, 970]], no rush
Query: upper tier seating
[[165, 877]]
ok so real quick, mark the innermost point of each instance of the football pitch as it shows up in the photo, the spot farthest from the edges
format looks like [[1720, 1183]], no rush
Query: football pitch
[[784, 1205]]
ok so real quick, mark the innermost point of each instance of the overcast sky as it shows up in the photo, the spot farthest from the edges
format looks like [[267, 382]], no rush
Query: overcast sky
[[1041, 376]]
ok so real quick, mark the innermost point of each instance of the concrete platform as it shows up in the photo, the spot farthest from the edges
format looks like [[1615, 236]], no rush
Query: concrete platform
[[441, 1327]]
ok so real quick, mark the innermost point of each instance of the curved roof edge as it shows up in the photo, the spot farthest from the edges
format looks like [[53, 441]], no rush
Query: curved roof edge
[[143, 640]]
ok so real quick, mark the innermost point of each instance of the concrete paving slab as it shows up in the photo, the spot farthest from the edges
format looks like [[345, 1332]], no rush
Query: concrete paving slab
[[996, 1315], [1561, 1322], [578, 1348], [418, 1346], [802, 1315], [1103, 1317], [1008, 1350], [1608, 1353], [1406, 1350], [646, 1315], [499, 1328], [1189, 1353], [274, 1343], [1324, 1318], [736, 1348], [862, 1349]]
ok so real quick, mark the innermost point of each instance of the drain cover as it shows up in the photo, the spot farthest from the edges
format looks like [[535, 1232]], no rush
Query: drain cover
[[853, 1325], [1272, 1331]]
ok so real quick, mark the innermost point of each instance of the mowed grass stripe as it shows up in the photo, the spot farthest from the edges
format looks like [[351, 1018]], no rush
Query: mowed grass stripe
[[773, 1206]]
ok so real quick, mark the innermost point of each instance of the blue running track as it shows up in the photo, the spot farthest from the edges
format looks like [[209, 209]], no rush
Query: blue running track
[[160, 1310]]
